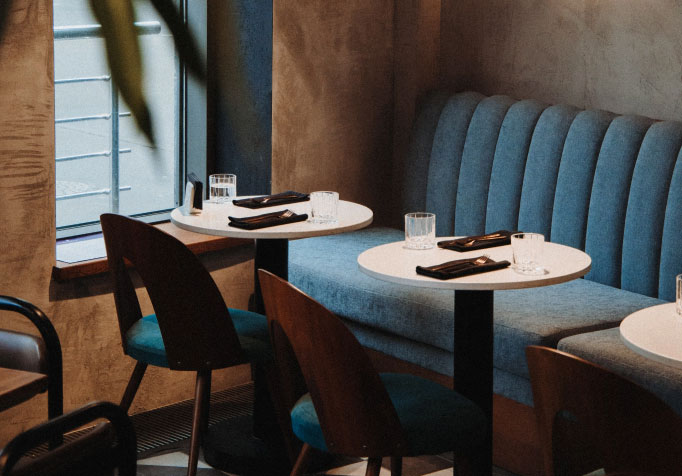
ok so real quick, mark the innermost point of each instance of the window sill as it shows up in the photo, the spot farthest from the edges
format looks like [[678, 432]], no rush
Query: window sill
[[196, 242]]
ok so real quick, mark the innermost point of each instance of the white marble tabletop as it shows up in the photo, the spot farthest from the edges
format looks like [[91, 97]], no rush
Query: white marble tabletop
[[213, 221], [655, 332], [394, 263]]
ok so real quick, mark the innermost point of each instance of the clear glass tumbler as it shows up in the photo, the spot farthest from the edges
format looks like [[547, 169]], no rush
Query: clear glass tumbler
[[420, 230], [678, 294], [222, 188], [324, 208], [527, 253]]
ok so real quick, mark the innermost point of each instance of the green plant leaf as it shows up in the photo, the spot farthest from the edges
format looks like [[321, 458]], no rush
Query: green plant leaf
[[117, 18], [184, 41]]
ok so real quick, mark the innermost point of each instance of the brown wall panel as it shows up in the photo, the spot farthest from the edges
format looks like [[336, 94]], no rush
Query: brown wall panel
[[333, 98], [620, 55]]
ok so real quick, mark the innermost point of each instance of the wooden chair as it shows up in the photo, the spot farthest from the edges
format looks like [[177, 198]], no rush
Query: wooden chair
[[36, 355], [351, 409], [97, 452], [192, 328], [590, 418]]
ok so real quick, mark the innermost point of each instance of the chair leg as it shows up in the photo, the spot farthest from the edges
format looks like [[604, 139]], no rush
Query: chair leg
[[133, 385], [373, 466], [396, 465], [302, 461], [203, 384]]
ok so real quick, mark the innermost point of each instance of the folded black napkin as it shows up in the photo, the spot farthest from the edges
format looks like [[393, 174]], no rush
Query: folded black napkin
[[462, 267], [272, 200], [470, 243], [268, 219]]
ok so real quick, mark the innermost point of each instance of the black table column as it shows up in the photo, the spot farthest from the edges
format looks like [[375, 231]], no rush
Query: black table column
[[473, 361]]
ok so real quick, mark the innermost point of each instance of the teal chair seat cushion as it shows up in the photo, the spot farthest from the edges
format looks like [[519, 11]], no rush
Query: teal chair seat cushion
[[435, 419], [145, 344]]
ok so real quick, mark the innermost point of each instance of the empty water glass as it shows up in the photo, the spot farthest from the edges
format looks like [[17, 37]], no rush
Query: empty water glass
[[678, 301], [420, 230], [324, 208], [527, 253], [222, 188]]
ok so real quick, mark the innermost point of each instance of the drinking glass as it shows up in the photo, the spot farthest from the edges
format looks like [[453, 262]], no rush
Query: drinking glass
[[324, 207], [678, 294], [527, 253], [420, 230], [222, 188]]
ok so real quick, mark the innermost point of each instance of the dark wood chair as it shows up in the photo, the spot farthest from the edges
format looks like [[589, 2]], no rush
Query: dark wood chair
[[107, 446], [28, 357], [350, 409], [590, 418], [192, 328]]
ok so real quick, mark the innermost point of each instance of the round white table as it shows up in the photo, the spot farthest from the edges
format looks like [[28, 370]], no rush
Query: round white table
[[272, 243], [242, 445], [655, 332], [473, 336]]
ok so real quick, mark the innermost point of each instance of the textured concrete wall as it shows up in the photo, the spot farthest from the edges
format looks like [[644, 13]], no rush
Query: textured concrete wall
[[333, 98], [82, 311], [620, 55]]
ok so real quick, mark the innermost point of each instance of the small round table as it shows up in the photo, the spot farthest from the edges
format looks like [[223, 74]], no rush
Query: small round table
[[272, 243], [655, 332], [473, 345], [241, 445]]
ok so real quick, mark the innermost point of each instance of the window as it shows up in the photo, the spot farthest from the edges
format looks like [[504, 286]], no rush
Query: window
[[103, 163]]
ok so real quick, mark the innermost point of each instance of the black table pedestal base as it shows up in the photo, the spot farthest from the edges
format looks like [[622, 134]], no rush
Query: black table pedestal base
[[231, 446]]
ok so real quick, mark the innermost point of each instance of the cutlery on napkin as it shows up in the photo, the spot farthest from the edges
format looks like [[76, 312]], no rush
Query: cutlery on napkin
[[281, 217], [462, 267], [470, 243], [272, 200]]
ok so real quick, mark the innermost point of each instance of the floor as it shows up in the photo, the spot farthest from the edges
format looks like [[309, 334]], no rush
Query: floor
[[163, 442]]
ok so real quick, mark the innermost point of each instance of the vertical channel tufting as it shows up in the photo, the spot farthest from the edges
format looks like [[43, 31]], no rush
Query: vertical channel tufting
[[446, 157], [509, 164], [416, 169], [542, 168], [671, 245], [608, 201], [576, 173], [645, 213], [476, 166]]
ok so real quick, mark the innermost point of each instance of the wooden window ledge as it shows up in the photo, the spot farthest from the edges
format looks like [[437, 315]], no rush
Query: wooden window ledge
[[196, 242]]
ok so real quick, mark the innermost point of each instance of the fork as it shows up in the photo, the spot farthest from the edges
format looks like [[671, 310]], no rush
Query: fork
[[496, 236], [463, 264], [286, 214]]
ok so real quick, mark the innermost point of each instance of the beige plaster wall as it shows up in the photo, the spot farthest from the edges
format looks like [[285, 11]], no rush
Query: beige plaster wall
[[620, 55], [332, 101], [82, 311]]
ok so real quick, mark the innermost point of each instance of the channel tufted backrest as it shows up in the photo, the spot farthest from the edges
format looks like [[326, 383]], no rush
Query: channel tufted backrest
[[610, 185]]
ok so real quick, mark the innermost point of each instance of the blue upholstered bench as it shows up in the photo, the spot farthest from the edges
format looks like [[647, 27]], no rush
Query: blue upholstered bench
[[610, 185]]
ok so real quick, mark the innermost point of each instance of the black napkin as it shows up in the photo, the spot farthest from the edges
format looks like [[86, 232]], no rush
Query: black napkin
[[460, 267], [272, 200], [268, 219], [470, 243]]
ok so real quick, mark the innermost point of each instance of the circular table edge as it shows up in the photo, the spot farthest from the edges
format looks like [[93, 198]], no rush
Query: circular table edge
[[640, 350]]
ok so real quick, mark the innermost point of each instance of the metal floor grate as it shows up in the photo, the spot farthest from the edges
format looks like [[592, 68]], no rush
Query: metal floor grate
[[172, 424]]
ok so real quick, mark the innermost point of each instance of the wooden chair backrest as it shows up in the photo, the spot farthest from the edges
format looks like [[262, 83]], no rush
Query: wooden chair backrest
[[195, 324], [352, 404], [625, 427]]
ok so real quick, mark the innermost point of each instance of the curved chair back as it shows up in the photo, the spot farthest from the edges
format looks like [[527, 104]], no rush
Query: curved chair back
[[97, 452], [195, 324], [31, 353], [352, 404], [625, 427]]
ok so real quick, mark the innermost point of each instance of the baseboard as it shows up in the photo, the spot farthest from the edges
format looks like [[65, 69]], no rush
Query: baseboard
[[516, 446]]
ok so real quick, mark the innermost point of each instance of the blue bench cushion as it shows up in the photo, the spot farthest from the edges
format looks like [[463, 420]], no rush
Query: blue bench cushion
[[144, 341], [326, 269], [608, 350], [434, 418]]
